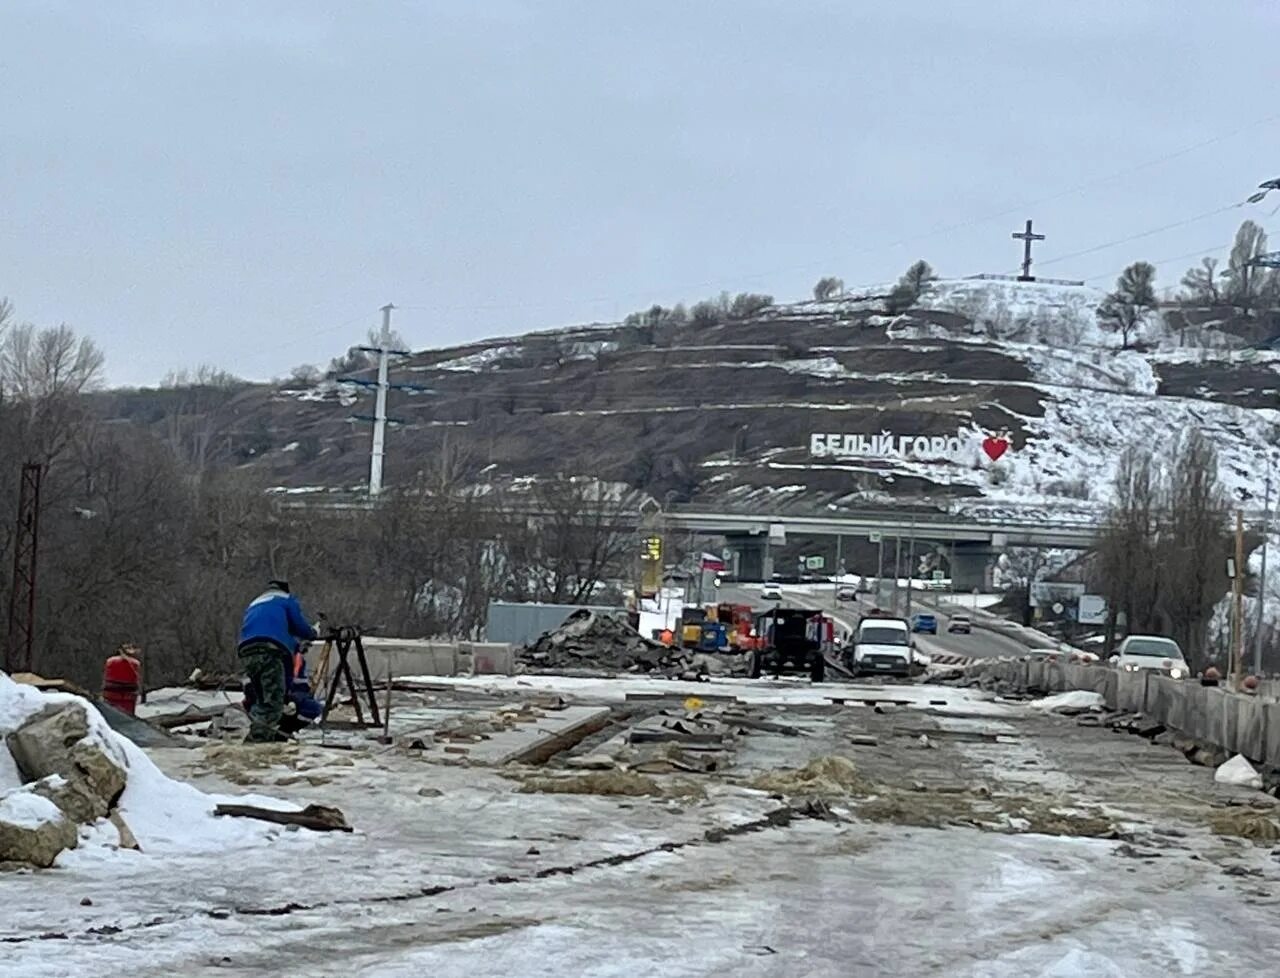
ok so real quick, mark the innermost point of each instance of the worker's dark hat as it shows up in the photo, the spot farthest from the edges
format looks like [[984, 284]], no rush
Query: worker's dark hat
[[278, 584]]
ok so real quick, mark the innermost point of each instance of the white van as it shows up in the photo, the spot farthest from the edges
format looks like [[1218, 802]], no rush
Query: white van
[[1138, 652], [882, 645]]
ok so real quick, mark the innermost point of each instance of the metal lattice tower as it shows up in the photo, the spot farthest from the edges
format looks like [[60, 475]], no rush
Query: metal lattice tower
[[22, 595]]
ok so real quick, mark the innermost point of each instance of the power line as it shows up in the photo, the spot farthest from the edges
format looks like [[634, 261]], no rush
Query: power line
[[1140, 235], [911, 239]]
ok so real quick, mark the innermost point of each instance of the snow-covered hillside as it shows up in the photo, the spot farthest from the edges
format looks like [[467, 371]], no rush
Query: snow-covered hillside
[[1096, 399], [725, 412]]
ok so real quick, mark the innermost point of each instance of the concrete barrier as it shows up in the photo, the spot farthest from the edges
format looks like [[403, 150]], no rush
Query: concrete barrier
[[1241, 723], [422, 657]]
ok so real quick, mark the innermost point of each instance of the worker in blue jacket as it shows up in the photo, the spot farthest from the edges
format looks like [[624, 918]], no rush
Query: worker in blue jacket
[[273, 626]]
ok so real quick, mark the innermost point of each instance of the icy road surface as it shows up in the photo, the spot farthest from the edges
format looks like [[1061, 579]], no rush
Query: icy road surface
[[453, 872]]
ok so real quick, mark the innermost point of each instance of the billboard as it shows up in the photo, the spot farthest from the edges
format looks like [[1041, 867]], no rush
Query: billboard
[[1093, 610], [1045, 594]]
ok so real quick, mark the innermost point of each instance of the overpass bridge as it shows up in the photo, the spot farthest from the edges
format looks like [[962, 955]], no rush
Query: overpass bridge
[[1016, 531], [974, 541]]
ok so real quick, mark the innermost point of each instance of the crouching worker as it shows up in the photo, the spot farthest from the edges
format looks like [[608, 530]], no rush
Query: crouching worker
[[300, 706], [272, 628]]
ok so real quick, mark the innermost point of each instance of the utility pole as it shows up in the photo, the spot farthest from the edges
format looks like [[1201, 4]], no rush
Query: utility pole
[[911, 563], [380, 407], [1262, 578], [22, 596], [1237, 616], [897, 568]]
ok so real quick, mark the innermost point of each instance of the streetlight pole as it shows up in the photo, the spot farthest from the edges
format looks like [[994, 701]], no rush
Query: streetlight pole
[[1262, 577]]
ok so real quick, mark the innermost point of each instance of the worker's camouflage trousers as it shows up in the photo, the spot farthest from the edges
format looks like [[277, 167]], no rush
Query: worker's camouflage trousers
[[261, 663]]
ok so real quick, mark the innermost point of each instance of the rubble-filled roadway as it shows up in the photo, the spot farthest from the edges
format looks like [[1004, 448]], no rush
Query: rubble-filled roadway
[[845, 830]]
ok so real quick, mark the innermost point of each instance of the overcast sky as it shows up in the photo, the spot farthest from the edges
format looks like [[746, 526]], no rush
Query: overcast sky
[[245, 183]]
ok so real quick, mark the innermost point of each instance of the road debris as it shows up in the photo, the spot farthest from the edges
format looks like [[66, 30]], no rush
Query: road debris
[[1238, 771], [605, 642]]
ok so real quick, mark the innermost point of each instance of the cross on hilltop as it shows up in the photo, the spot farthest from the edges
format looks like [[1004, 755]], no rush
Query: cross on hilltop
[[1027, 237]]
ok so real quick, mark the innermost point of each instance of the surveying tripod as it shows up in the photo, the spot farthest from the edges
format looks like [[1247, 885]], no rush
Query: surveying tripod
[[343, 639]]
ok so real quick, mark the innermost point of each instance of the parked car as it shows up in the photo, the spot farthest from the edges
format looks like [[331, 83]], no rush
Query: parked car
[[960, 623], [1139, 652], [923, 622], [846, 592], [771, 592]]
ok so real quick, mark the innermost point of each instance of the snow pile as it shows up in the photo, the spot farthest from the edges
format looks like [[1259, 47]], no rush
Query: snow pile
[[1238, 771], [168, 817], [1075, 700], [28, 811]]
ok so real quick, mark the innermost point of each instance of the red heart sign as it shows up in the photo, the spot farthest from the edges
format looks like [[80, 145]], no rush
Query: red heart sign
[[995, 447]]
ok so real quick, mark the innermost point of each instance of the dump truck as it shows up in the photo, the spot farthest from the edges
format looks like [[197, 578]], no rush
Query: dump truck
[[793, 640]]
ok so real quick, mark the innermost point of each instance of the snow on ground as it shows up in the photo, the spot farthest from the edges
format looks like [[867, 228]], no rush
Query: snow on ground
[[168, 817], [26, 810], [475, 362], [797, 691]]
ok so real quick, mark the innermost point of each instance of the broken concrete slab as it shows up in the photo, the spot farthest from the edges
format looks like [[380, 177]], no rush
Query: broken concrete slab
[[57, 741], [540, 737], [33, 830]]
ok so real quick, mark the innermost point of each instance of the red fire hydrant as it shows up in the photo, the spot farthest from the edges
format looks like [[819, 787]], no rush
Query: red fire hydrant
[[122, 679]]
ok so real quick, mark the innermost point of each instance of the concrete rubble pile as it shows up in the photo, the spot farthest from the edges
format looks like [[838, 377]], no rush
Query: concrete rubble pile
[[588, 640], [672, 741], [69, 779]]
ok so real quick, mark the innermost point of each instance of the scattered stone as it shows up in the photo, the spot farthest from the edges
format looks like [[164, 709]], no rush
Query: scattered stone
[[533, 851], [86, 902], [864, 740], [924, 741], [33, 830], [429, 792]]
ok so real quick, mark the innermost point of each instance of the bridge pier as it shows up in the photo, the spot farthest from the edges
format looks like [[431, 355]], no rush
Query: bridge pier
[[751, 559], [971, 566]]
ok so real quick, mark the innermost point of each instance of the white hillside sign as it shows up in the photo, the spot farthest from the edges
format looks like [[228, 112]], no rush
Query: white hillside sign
[[886, 444]]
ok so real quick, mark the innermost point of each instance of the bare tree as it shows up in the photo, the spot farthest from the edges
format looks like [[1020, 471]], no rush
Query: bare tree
[[1202, 283], [196, 410], [1248, 288], [1134, 296], [1127, 545], [1193, 542], [828, 287], [43, 372], [910, 287]]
